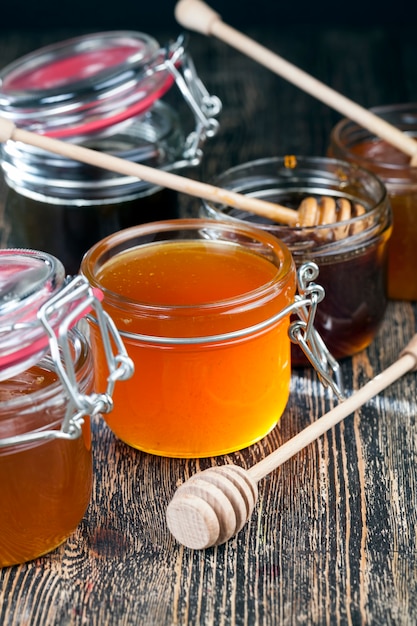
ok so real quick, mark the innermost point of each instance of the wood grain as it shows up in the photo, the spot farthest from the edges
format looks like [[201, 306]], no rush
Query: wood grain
[[332, 539]]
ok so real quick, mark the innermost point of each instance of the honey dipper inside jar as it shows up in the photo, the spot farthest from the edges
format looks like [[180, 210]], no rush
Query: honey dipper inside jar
[[343, 224]]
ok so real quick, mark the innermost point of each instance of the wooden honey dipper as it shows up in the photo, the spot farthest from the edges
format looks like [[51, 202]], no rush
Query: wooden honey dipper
[[213, 505], [198, 16], [276, 212]]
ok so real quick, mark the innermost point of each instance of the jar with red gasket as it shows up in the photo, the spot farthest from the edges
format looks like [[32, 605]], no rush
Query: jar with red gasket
[[119, 92], [47, 396]]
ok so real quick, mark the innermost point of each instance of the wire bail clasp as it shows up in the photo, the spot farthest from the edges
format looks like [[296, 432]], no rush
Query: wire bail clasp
[[81, 299], [77, 298], [303, 332], [205, 107]]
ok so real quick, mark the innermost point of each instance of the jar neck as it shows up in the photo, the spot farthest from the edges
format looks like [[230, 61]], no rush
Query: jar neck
[[274, 181], [160, 246]]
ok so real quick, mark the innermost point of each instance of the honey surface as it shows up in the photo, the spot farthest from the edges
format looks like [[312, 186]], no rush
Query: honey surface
[[186, 273], [380, 150], [199, 400]]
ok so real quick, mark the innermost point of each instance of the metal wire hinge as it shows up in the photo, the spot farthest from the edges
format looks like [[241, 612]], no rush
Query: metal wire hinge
[[303, 332], [203, 105], [78, 298]]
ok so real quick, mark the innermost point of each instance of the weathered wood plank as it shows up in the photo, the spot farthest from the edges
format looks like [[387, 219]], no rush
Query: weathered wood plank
[[332, 539]]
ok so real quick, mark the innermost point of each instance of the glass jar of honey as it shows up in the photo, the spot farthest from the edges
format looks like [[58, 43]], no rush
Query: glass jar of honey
[[351, 256], [113, 92], [355, 144], [204, 310], [47, 396]]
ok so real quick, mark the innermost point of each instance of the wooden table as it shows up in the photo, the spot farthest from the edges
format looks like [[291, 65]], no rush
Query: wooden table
[[333, 537]]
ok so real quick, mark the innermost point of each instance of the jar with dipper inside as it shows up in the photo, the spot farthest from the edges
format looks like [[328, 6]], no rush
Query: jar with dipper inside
[[351, 252], [204, 310], [355, 144], [113, 92], [47, 397]]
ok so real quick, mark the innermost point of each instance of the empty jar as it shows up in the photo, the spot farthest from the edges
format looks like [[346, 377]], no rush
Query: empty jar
[[117, 92], [352, 265]]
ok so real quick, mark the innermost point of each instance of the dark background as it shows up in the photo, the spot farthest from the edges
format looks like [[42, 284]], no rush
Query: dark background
[[157, 15], [363, 48]]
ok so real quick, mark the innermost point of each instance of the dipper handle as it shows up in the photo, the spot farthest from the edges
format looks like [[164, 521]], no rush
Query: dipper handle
[[196, 15], [152, 175], [406, 362]]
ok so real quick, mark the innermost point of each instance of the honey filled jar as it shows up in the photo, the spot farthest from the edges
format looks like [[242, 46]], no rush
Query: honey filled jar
[[355, 144], [47, 396], [118, 92], [204, 311], [351, 255]]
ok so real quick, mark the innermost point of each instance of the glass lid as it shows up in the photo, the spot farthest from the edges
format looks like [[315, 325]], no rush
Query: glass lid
[[27, 280], [84, 84]]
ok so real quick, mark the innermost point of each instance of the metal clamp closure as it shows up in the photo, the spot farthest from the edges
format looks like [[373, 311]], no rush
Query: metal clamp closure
[[303, 332], [203, 105], [78, 298]]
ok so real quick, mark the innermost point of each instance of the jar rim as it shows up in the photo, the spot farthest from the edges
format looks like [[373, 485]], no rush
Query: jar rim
[[121, 241], [401, 115], [271, 177], [332, 169], [155, 138]]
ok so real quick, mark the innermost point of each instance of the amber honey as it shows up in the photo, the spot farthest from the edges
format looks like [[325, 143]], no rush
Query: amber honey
[[350, 142], [45, 485], [47, 397], [205, 382]]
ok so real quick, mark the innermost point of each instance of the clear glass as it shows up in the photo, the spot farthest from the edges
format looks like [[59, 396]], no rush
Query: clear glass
[[180, 292], [352, 268], [84, 84], [64, 207], [111, 92], [45, 485], [355, 144], [28, 279]]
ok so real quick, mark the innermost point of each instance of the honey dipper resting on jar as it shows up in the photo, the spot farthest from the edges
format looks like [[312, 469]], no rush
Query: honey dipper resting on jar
[[343, 223], [271, 210], [353, 309], [327, 210]]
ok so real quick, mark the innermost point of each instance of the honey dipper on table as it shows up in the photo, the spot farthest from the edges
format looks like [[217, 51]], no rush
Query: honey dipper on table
[[198, 16], [213, 505]]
